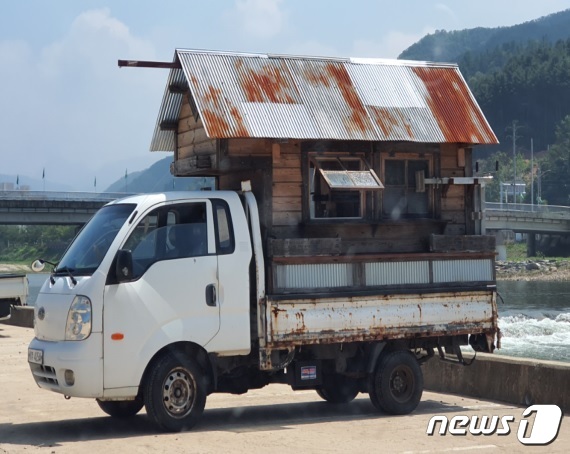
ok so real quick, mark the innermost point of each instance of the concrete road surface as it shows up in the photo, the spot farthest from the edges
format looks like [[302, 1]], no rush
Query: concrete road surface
[[274, 419]]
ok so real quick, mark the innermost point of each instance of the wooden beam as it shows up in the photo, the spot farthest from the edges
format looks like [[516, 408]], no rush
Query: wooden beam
[[169, 125], [178, 88], [148, 64]]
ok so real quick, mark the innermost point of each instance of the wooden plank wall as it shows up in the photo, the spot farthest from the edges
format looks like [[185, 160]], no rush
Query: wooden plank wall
[[287, 180], [192, 139], [453, 203]]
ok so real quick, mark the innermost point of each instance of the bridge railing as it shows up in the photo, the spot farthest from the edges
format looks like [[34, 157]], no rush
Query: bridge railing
[[61, 195], [526, 207]]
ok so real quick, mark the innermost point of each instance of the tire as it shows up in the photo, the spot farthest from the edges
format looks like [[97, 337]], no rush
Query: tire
[[121, 408], [175, 393], [396, 384], [338, 389]]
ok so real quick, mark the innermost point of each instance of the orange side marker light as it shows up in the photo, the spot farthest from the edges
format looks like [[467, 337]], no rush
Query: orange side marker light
[[117, 336]]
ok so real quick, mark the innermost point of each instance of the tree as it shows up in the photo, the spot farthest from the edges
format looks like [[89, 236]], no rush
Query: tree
[[556, 167], [504, 174]]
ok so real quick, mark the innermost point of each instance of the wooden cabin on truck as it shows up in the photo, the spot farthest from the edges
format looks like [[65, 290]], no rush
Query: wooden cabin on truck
[[342, 249], [362, 168]]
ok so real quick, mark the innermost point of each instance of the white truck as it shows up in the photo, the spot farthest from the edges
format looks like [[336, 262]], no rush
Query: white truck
[[161, 300], [13, 291]]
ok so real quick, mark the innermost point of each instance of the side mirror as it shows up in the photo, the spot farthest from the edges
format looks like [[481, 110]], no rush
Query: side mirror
[[38, 266], [124, 267]]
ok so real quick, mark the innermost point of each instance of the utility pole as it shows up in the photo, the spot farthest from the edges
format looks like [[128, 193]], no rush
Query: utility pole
[[532, 174], [515, 128]]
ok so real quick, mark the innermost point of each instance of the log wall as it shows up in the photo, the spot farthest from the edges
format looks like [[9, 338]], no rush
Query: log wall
[[276, 171]]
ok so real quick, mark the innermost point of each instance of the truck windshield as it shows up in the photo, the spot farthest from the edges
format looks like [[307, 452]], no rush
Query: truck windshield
[[86, 252]]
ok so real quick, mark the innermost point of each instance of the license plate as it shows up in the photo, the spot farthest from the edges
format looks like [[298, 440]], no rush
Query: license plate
[[35, 356]]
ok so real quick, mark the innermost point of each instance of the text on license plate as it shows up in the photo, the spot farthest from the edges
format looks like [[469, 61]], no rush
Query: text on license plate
[[35, 356]]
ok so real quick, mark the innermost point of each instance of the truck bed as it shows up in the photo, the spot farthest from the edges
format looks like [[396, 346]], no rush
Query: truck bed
[[300, 321]]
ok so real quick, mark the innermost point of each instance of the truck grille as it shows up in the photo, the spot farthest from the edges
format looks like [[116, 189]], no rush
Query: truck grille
[[44, 375]]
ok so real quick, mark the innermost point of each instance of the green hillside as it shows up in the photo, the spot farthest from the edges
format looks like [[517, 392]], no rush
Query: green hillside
[[449, 46]]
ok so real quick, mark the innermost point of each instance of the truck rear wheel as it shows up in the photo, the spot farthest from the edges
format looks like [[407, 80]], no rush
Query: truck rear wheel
[[396, 384], [121, 408], [338, 389], [175, 393]]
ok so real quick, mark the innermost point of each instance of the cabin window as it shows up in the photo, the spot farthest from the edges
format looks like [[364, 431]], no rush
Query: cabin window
[[338, 186], [400, 198]]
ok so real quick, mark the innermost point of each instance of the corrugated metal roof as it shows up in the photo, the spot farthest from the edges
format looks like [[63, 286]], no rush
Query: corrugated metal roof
[[264, 96]]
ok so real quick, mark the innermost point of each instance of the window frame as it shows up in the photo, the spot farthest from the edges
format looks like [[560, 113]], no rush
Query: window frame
[[406, 157], [315, 172], [162, 227]]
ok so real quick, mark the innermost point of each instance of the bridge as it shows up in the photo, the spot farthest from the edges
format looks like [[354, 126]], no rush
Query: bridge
[[50, 207], [526, 218], [76, 208]]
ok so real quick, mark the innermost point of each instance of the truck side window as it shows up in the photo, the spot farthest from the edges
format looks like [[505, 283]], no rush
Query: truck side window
[[170, 232], [224, 230]]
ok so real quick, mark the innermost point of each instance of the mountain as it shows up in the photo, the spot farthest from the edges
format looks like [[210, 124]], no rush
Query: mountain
[[157, 178], [519, 76], [449, 46]]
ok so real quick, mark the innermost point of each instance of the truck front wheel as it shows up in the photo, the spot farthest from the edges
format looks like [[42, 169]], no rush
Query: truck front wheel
[[396, 385], [175, 393]]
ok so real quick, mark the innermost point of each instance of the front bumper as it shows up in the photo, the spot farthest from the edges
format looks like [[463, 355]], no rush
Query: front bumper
[[84, 358]]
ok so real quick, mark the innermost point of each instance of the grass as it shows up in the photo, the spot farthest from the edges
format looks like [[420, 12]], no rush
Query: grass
[[516, 252]]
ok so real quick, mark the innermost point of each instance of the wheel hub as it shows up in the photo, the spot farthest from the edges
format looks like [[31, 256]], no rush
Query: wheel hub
[[178, 393], [398, 384], [401, 383]]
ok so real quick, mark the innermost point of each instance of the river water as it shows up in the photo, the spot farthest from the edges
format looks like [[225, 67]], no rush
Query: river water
[[534, 317]]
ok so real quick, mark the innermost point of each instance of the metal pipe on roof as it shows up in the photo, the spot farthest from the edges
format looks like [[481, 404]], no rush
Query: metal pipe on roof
[[148, 64]]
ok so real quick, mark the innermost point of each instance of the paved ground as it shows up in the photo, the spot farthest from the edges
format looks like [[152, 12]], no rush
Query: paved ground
[[274, 419]]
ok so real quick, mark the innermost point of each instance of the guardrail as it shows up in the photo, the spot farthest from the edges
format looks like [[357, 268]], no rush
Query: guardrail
[[528, 208], [60, 195]]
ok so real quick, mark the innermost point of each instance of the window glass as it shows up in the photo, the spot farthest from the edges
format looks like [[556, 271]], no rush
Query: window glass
[[400, 198], [170, 232], [88, 249], [223, 229]]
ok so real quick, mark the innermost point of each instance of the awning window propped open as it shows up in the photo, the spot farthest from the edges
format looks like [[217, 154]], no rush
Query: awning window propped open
[[343, 174]]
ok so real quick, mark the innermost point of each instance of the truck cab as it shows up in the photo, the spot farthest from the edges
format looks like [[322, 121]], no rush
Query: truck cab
[[146, 272]]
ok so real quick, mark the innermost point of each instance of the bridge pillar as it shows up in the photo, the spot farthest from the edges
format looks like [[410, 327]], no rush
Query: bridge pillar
[[500, 244], [531, 245]]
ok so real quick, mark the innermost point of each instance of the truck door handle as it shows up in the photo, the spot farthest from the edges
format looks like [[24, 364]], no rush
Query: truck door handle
[[211, 295]]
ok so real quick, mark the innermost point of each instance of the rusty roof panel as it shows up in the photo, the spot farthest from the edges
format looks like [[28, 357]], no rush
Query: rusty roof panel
[[453, 104], [255, 95]]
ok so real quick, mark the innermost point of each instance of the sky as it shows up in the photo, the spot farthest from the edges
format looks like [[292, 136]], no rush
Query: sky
[[67, 111]]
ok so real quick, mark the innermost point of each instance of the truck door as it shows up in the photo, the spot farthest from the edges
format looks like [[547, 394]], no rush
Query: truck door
[[172, 295]]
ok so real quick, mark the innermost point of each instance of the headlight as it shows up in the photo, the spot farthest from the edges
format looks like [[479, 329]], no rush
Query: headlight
[[78, 325]]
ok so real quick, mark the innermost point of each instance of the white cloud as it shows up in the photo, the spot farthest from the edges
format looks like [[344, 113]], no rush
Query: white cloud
[[257, 18], [93, 38], [392, 44], [72, 110]]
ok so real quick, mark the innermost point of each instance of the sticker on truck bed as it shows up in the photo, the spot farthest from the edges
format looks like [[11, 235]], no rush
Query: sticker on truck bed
[[308, 372]]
